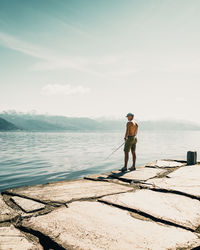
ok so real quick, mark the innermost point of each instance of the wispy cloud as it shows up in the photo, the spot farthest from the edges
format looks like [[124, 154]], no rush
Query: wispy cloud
[[124, 72], [21, 46], [63, 89], [50, 60]]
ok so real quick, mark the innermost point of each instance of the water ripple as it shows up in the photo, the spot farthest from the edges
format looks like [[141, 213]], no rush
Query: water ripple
[[33, 158]]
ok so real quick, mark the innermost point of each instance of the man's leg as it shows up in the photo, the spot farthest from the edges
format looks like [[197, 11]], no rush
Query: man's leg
[[133, 148], [134, 157], [126, 156]]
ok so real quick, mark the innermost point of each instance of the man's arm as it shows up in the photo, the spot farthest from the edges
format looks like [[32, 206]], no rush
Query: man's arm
[[136, 129], [127, 131]]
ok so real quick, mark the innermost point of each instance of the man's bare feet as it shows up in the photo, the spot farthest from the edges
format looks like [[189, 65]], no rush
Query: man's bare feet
[[132, 168], [123, 169]]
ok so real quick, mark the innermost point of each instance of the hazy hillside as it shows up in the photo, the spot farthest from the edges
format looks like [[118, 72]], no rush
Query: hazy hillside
[[6, 126], [168, 125], [34, 122]]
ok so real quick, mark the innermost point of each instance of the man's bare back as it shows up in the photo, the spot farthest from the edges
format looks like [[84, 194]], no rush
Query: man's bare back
[[131, 128]]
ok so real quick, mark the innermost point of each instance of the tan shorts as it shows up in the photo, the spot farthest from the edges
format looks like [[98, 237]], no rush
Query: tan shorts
[[130, 144]]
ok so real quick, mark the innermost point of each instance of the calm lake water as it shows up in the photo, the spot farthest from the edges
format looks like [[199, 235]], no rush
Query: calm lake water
[[28, 158]]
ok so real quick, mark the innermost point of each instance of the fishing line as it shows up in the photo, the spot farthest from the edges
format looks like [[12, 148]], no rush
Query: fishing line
[[114, 151]]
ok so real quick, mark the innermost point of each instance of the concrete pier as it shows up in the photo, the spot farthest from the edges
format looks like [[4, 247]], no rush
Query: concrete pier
[[155, 207]]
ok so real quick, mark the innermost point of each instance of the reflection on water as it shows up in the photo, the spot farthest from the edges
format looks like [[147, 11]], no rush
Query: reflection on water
[[32, 158]]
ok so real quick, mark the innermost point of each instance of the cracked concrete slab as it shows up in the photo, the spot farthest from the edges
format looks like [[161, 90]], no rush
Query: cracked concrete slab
[[165, 164], [191, 172], [67, 191], [27, 205], [104, 177], [6, 212], [107, 176], [174, 208], [94, 225], [12, 239], [184, 180], [97, 177], [22, 214], [141, 174]]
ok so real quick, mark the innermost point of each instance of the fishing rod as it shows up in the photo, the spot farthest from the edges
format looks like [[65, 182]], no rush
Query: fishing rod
[[114, 151]]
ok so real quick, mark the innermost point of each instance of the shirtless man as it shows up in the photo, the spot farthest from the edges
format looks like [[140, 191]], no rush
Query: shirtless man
[[130, 141]]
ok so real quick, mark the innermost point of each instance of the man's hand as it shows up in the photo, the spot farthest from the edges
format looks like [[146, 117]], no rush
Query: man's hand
[[125, 138]]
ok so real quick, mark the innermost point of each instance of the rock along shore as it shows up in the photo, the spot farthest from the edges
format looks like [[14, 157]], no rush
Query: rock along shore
[[155, 207]]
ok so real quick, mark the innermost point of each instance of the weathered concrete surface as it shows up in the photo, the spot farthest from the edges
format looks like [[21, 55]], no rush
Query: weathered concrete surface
[[185, 180], [105, 177], [191, 172], [96, 177], [6, 212], [67, 191], [174, 208], [141, 174], [12, 239], [93, 225], [22, 214], [27, 205], [165, 164], [110, 176]]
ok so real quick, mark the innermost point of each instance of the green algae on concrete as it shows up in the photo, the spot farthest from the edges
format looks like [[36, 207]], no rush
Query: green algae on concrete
[[93, 225], [178, 209]]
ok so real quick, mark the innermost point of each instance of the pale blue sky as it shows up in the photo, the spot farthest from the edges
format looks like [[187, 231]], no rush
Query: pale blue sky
[[101, 58]]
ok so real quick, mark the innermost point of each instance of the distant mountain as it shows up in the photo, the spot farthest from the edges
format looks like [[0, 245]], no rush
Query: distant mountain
[[153, 125], [35, 122], [168, 125], [6, 126]]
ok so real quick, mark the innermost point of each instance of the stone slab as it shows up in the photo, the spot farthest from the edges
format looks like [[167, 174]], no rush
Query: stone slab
[[165, 164], [141, 174], [67, 191], [104, 177], [92, 225], [12, 239], [190, 172], [185, 180], [27, 205], [6, 212], [174, 208], [96, 177]]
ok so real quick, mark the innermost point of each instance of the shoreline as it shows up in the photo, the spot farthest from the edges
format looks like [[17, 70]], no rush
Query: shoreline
[[163, 197]]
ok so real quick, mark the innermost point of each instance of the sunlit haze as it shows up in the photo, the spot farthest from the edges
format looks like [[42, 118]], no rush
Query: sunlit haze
[[101, 58]]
